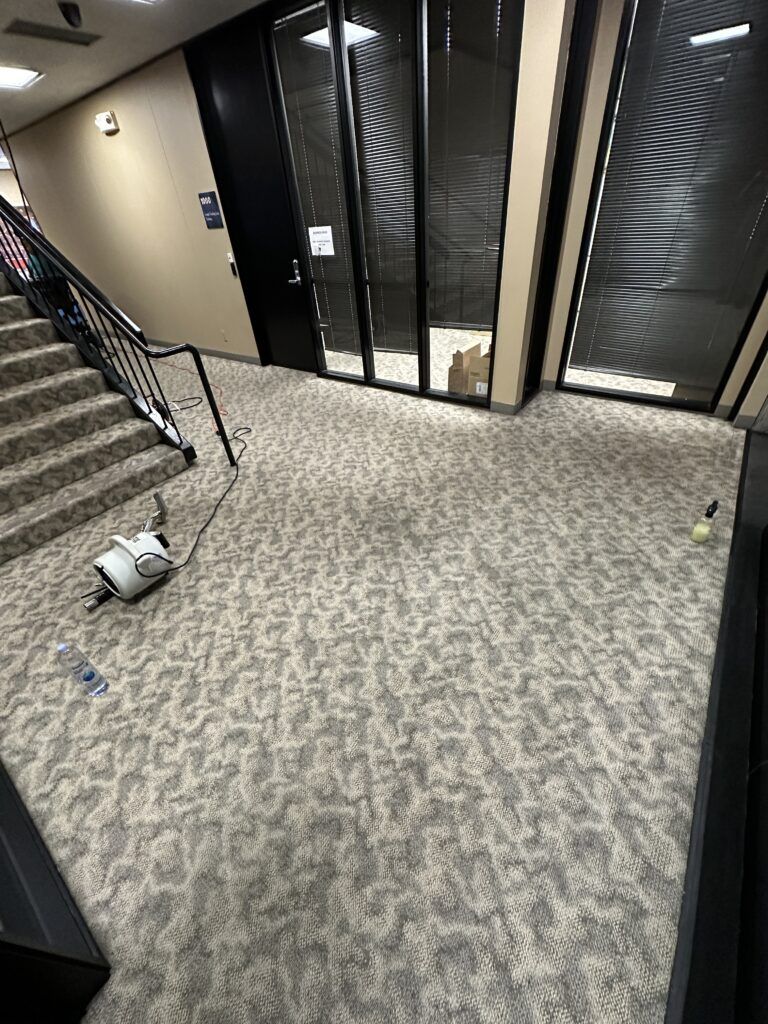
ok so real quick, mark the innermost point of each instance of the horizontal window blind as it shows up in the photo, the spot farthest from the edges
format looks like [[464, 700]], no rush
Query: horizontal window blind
[[471, 54], [381, 82], [680, 244]]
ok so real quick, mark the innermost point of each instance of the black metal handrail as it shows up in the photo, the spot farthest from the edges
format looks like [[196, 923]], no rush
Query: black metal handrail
[[107, 339]]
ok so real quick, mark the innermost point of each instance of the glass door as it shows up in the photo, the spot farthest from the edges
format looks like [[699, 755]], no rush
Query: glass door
[[472, 74], [382, 66], [396, 122], [307, 84]]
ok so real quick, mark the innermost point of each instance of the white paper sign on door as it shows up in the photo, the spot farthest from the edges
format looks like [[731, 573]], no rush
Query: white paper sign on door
[[321, 240]]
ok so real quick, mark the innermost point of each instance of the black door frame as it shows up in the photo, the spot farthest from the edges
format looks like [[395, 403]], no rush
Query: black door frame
[[228, 69], [289, 169], [353, 205], [563, 182]]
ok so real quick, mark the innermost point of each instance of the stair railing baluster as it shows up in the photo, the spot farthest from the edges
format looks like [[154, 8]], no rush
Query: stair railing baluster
[[148, 394], [161, 396], [105, 336], [104, 350], [121, 355]]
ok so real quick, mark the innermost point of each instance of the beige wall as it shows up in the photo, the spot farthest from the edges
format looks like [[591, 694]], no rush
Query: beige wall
[[125, 208], [596, 96], [9, 189], [747, 356], [543, 58]]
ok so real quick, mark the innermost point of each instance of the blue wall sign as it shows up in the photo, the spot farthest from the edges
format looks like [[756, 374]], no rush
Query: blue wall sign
[[210, 205]]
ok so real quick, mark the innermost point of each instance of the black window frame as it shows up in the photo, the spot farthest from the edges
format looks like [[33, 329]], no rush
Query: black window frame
[[692, 405], [335, 10]]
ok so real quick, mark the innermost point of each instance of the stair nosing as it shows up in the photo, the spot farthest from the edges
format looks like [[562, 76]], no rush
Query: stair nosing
[[26, 513], [103, 397], [69, 458], [33, 352], [27, 320], [70, 372], [126, 425]]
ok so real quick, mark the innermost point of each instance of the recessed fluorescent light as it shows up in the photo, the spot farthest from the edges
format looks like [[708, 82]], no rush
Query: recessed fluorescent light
[[352, 33], [5, 164], [17, 78], [719, 35]]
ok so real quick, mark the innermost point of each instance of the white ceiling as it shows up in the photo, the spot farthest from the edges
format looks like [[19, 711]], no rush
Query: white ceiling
[[132, 33]]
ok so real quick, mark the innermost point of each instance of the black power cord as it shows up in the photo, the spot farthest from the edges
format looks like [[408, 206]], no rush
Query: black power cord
[[237, 435], [182, 404]]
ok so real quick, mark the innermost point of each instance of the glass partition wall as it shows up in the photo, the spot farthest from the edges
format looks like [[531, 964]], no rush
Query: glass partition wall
[[674, 257], [472, 69], [396, 123]]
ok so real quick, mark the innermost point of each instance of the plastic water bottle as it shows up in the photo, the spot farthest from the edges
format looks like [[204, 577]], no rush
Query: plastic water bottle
[[72, 659]]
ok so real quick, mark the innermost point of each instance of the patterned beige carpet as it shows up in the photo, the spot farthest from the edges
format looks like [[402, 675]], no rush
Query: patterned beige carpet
[[415, 736], [618, 382]]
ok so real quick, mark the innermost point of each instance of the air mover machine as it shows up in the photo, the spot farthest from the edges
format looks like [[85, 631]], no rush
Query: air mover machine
[[130, 566]]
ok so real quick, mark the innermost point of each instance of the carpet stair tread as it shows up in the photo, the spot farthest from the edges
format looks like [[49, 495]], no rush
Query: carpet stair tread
[[27, 400], [24, 334], [23, 482], [40, 361], [14, 307], [53, 514], [27, 438]]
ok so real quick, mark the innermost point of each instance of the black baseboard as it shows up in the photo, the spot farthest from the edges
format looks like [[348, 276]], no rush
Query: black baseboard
[[718, 975], [50, 964]]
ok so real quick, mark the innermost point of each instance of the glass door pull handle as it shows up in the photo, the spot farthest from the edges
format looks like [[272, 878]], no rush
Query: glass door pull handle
[[296, 279]]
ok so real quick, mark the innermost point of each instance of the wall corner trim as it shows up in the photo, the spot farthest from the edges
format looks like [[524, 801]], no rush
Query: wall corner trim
[[509, 410], [744, 422], [548, 385], [723, 411]]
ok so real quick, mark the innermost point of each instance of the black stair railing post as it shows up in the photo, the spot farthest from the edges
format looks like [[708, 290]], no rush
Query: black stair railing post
[[214, 407]]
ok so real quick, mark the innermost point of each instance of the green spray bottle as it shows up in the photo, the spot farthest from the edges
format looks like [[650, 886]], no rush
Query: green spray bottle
[[703, 527]]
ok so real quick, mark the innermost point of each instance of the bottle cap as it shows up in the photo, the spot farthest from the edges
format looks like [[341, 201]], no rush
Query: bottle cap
[[712, 510], [62, 647]]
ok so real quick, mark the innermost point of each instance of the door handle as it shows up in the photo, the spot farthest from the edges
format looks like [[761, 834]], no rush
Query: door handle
[[296, 279]]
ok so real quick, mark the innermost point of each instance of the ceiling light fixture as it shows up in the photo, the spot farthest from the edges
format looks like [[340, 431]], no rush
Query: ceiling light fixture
[[352, 33], [719, 35], [17, 78]]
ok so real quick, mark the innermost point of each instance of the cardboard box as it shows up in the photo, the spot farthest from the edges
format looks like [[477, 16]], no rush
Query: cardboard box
[[458, 372], [477, 375]]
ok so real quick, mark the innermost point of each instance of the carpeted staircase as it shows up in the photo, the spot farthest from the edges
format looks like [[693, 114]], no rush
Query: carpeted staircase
[[69, 447]]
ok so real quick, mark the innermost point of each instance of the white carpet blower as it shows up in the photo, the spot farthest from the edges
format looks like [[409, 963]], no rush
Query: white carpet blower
[[132, 565]]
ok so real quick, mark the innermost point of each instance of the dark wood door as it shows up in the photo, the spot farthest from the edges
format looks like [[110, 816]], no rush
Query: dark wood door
[[229, 72]]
